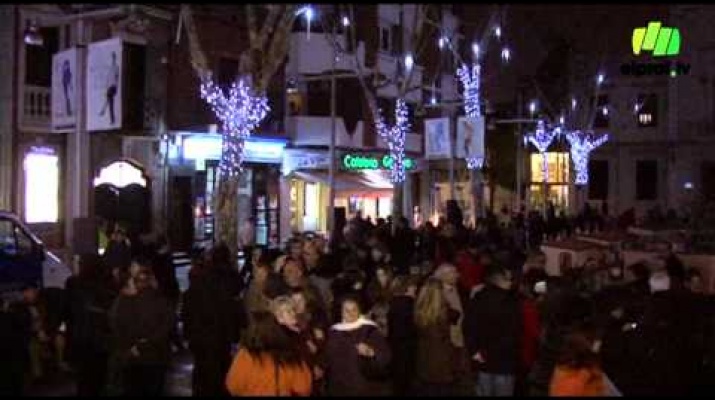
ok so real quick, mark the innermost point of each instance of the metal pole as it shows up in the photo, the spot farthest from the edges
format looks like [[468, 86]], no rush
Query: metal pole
[[519, 151], [452, 139], [544, 169], [331, 165]]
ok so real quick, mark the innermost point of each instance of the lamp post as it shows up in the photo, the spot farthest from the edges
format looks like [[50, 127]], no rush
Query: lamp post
[[333, 126]]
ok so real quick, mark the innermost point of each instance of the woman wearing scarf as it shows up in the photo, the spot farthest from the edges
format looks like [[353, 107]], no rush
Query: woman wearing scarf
[[356, 355]]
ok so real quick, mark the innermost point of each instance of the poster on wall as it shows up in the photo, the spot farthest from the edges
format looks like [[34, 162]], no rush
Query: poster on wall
[[64, 89], [104, 85], [437, 138], [470, 137]]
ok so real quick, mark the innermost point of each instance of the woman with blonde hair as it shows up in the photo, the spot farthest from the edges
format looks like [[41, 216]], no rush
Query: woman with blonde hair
[[435, 352]]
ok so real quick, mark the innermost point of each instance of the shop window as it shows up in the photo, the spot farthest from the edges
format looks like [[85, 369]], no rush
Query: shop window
[[558, 167], [557, 179], [42, 172], [646, 180]]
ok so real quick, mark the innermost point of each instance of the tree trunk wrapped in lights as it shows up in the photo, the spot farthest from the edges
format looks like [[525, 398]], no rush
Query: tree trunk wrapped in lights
[[242, 110], [395, 138], [582, 144]]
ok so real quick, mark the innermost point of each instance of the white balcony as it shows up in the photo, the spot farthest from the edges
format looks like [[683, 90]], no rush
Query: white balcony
[[36, 112], [315, 55], [315, 131]]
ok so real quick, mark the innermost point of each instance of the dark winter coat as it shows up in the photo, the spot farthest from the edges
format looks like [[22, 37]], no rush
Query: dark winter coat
[[208, 314], [117, 255], [144, 320], [403, 340], [165, 274], [493, 327], [668, 351], [342, 361], [89, 302]]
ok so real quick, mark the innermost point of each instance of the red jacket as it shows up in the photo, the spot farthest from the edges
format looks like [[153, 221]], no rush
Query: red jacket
[[471, 273], [531, 327]]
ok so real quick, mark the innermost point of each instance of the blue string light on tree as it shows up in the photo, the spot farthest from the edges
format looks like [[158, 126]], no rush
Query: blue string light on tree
[[582, 144], [239, 113], [395, 138], [542, 138], [470, 78]]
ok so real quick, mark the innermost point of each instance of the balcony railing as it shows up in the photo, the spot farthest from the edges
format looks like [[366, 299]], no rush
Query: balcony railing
[[36, 108], [316, 131]]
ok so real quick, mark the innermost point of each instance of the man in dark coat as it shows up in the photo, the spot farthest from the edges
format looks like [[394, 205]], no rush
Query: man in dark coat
[[118, 254], [668, 351], [403, 246], [89, 297], [15, 331], [210, 325], [402, 334], [142, 326], [492, 329]]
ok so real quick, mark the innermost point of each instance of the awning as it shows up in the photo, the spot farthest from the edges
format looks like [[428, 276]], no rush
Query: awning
[[349, 183]]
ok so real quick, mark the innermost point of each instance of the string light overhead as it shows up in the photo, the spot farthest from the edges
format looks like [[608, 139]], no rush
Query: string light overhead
[[600, 78], [409, 61], [532, 107], [475, 50], [506, 54], [308, 13]]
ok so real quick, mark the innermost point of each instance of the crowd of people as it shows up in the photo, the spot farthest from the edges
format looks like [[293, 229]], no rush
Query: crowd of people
[[381, 309]]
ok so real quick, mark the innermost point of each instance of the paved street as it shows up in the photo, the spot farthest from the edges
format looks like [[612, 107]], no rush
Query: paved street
[[178, 380]]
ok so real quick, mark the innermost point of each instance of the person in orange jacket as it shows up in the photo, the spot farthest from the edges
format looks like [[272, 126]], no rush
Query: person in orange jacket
[[578, 370], [268, 364]]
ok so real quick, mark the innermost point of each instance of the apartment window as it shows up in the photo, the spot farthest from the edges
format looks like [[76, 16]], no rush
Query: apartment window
[[390, 39], [602, 119], [385, 39], [598, 180], [647, 110], [647, 180]]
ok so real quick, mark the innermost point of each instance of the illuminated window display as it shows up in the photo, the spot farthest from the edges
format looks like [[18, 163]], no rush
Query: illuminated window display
[[557, 179], [42, 172]]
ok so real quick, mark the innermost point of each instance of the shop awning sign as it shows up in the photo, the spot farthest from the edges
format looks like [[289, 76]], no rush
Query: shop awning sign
[[359, 162]]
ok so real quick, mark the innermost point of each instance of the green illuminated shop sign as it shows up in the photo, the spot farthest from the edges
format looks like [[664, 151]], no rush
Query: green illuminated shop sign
[[356, 162]]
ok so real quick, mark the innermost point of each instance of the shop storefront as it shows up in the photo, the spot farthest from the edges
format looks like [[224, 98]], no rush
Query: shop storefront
[[557, 182], [194, 186], [362, 184]]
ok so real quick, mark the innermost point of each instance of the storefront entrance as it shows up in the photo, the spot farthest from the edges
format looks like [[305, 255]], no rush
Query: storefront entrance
[[122, 198]]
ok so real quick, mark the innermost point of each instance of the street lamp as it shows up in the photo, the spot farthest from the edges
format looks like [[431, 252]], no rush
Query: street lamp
[[532, 108], [506, 54], [33, 37], [409, 62]]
